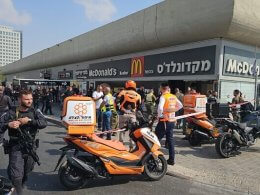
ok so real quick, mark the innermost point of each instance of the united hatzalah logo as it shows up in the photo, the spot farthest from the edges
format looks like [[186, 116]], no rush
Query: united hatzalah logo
[[80, 109]]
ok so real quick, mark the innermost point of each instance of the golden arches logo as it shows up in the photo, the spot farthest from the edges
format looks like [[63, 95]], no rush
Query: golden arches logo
[[137, 67], [80, 109]]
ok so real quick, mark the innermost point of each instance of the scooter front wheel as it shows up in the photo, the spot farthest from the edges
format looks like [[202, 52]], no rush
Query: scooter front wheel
[[70, 177], [155, 169]]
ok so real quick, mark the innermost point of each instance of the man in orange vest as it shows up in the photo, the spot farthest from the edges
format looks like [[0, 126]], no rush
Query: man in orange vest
[[130, 101], [168, 105]]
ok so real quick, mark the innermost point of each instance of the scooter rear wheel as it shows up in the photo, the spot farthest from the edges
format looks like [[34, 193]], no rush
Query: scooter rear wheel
[[70, 178], [155, 169], [194, 140]]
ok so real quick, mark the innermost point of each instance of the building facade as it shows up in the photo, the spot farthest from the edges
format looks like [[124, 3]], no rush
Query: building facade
[[213, 44], [10, 45], [217, 64]]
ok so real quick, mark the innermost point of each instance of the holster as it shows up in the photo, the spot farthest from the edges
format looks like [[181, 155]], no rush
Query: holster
[[37, 143], [7, 146]]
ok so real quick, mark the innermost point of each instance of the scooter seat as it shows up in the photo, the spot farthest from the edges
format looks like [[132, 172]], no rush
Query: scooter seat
[[111, 143]]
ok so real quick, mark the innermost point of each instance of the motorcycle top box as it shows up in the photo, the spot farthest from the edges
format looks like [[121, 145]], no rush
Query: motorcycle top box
[[194, 103], [217, 110], [79, 115]]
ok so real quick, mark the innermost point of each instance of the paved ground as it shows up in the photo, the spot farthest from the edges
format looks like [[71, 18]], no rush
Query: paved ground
[[203, 164], [44, 181]]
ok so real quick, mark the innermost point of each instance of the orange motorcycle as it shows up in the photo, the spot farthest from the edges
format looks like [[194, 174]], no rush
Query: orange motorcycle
[[90, 157]]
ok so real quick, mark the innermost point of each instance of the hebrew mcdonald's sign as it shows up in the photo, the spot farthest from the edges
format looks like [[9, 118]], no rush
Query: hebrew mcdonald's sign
[[137, 67]]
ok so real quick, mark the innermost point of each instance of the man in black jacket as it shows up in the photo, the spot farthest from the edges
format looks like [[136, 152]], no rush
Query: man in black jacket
[[36, 97], [27, 119], [5, 105]]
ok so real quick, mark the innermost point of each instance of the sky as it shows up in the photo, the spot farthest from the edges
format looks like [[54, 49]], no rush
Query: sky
[[45, 23]]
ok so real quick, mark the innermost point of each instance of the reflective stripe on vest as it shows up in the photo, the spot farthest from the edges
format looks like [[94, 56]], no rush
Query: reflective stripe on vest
[[169, 107], [110, 105]]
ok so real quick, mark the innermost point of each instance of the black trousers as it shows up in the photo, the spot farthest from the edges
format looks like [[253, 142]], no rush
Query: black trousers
[[19, 167], [48, 108], [36, 104], [166, 128]]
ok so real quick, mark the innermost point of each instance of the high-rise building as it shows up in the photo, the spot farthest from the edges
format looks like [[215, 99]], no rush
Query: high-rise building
[[10, 45]]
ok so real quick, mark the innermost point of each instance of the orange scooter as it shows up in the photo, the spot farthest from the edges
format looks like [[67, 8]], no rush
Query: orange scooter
[[200, 129], [95, 158]]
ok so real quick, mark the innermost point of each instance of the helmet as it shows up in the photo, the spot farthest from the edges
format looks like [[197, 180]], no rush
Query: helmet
[[130, 84]]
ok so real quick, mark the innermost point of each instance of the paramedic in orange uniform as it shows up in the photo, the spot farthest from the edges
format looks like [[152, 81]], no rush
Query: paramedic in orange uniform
[[168, 105], [130, 102]]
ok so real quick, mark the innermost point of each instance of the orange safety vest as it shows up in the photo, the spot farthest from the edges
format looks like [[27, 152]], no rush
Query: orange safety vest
[[169, 107], [130, 96]]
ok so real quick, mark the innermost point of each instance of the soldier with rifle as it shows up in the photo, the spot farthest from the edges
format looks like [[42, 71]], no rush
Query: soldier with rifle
[[23, 125]]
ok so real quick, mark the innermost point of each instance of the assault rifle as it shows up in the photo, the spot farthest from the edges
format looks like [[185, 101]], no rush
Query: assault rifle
[[28, 145]]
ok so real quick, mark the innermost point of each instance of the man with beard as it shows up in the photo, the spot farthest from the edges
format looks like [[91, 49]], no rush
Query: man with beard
[[27, 119]]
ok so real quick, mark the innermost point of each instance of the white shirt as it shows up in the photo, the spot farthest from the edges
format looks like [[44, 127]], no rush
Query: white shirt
[[161, 105], [106, 99], [97, 95]]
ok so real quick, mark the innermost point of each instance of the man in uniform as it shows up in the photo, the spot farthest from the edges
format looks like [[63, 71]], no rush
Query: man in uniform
[[130, 101], [237, 99], [107, 107], [150, 102], [168, 105], [180, 97], [27, 119]]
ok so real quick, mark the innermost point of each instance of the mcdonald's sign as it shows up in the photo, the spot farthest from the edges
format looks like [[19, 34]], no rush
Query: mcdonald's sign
[[137, 67]]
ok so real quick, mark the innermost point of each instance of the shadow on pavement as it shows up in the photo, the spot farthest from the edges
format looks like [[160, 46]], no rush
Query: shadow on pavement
[[207, 152], [55, 143], [56, 133], [251, 149], [54, 152], [53, 125], [50, 182], [43, 182], [203, 151]]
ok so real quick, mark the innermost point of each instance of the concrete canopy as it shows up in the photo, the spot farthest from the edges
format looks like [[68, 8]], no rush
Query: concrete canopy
[[168, 23]]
